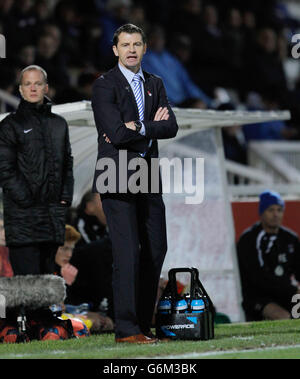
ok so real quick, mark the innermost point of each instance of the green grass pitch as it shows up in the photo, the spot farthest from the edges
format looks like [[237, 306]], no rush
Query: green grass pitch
[[267, 339]]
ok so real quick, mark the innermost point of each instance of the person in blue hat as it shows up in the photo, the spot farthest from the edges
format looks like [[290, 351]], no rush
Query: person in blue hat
[[269, 263]]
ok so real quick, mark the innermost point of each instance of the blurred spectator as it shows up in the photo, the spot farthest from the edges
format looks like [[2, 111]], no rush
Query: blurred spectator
[[5, 9], [92, 255], [249, 30], [293, 101], [188, 20], [160, 12], [83, 90], [87, 274], [265, 68], [181, 47], [283, 16], [7, 79], [210, 59], [116, 14], [25, 57], [160, 61], [193, 103], [90, 220], [269, 130], [85, 84], [269, 263], [137, 17], [42, 12], [69, 22], [234, 45], [91, 36], [235, 147], [53, 30], [19, 25], [52, 60]]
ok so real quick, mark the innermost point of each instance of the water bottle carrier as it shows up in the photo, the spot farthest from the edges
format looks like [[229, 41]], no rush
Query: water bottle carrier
[[189, 324]]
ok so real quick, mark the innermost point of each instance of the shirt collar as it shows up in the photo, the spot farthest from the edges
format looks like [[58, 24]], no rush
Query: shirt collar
[[129, 74]]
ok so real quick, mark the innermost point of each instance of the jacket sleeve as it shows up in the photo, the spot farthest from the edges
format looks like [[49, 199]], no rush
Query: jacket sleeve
[[166, 128], [68, 178], [11, 178], [108, 118], [297, 259]]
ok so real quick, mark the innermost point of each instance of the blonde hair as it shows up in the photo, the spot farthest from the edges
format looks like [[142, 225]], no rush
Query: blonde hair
[[33, 67], [72, 235]]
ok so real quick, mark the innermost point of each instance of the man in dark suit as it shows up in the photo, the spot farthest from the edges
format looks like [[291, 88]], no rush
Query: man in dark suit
[[131, 112]]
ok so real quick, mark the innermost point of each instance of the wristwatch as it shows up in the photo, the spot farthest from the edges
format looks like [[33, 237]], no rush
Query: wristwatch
[[138, 126]]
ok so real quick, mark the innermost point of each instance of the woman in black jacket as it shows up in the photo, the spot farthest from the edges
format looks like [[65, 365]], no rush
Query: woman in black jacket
[[36, 174]]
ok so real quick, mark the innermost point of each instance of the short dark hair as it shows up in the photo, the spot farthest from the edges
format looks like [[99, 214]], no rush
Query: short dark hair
[[130, 29], [86, 198]]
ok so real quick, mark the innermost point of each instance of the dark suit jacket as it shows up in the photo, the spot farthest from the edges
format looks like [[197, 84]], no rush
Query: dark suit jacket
[[114, 104]]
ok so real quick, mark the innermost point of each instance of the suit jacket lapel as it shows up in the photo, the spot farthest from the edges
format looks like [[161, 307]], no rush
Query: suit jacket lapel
[[127, 88], [148, 91]]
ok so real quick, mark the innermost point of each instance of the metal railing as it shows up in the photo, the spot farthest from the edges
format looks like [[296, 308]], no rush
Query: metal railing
[[7, 99]]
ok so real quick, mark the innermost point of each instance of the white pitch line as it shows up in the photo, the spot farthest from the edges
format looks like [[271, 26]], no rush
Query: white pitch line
[[193, 355], [196, 355]]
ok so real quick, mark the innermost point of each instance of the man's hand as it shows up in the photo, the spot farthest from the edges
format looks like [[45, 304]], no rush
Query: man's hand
[[161, 114], [130, 125], [106, 138], [69, 273]]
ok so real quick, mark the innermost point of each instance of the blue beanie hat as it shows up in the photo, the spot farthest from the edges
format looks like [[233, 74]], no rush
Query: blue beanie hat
[[268, 198]]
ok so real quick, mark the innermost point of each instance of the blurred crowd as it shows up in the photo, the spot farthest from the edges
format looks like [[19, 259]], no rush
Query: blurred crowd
[[210, 54]]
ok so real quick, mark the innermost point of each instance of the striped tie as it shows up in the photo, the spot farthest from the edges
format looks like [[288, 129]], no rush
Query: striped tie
[[138, 94], [137, 89]]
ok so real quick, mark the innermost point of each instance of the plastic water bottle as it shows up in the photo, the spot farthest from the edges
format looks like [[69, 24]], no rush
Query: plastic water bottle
[[181, 306], [164, 306], [77, 309], [197, 306]]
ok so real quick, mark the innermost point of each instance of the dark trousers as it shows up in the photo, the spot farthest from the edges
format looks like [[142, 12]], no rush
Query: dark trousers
[[33, 259], [137, 230]]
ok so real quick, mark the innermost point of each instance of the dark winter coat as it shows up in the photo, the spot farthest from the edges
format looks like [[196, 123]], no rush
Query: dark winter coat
[[36, 174]]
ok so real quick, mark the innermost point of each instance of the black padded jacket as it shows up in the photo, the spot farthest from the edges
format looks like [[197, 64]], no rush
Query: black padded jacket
[[36, 174]]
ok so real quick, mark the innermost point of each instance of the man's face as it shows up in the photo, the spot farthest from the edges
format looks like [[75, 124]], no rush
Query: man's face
[[130, 50], [64, 253], [271, 218], [33, 87]]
